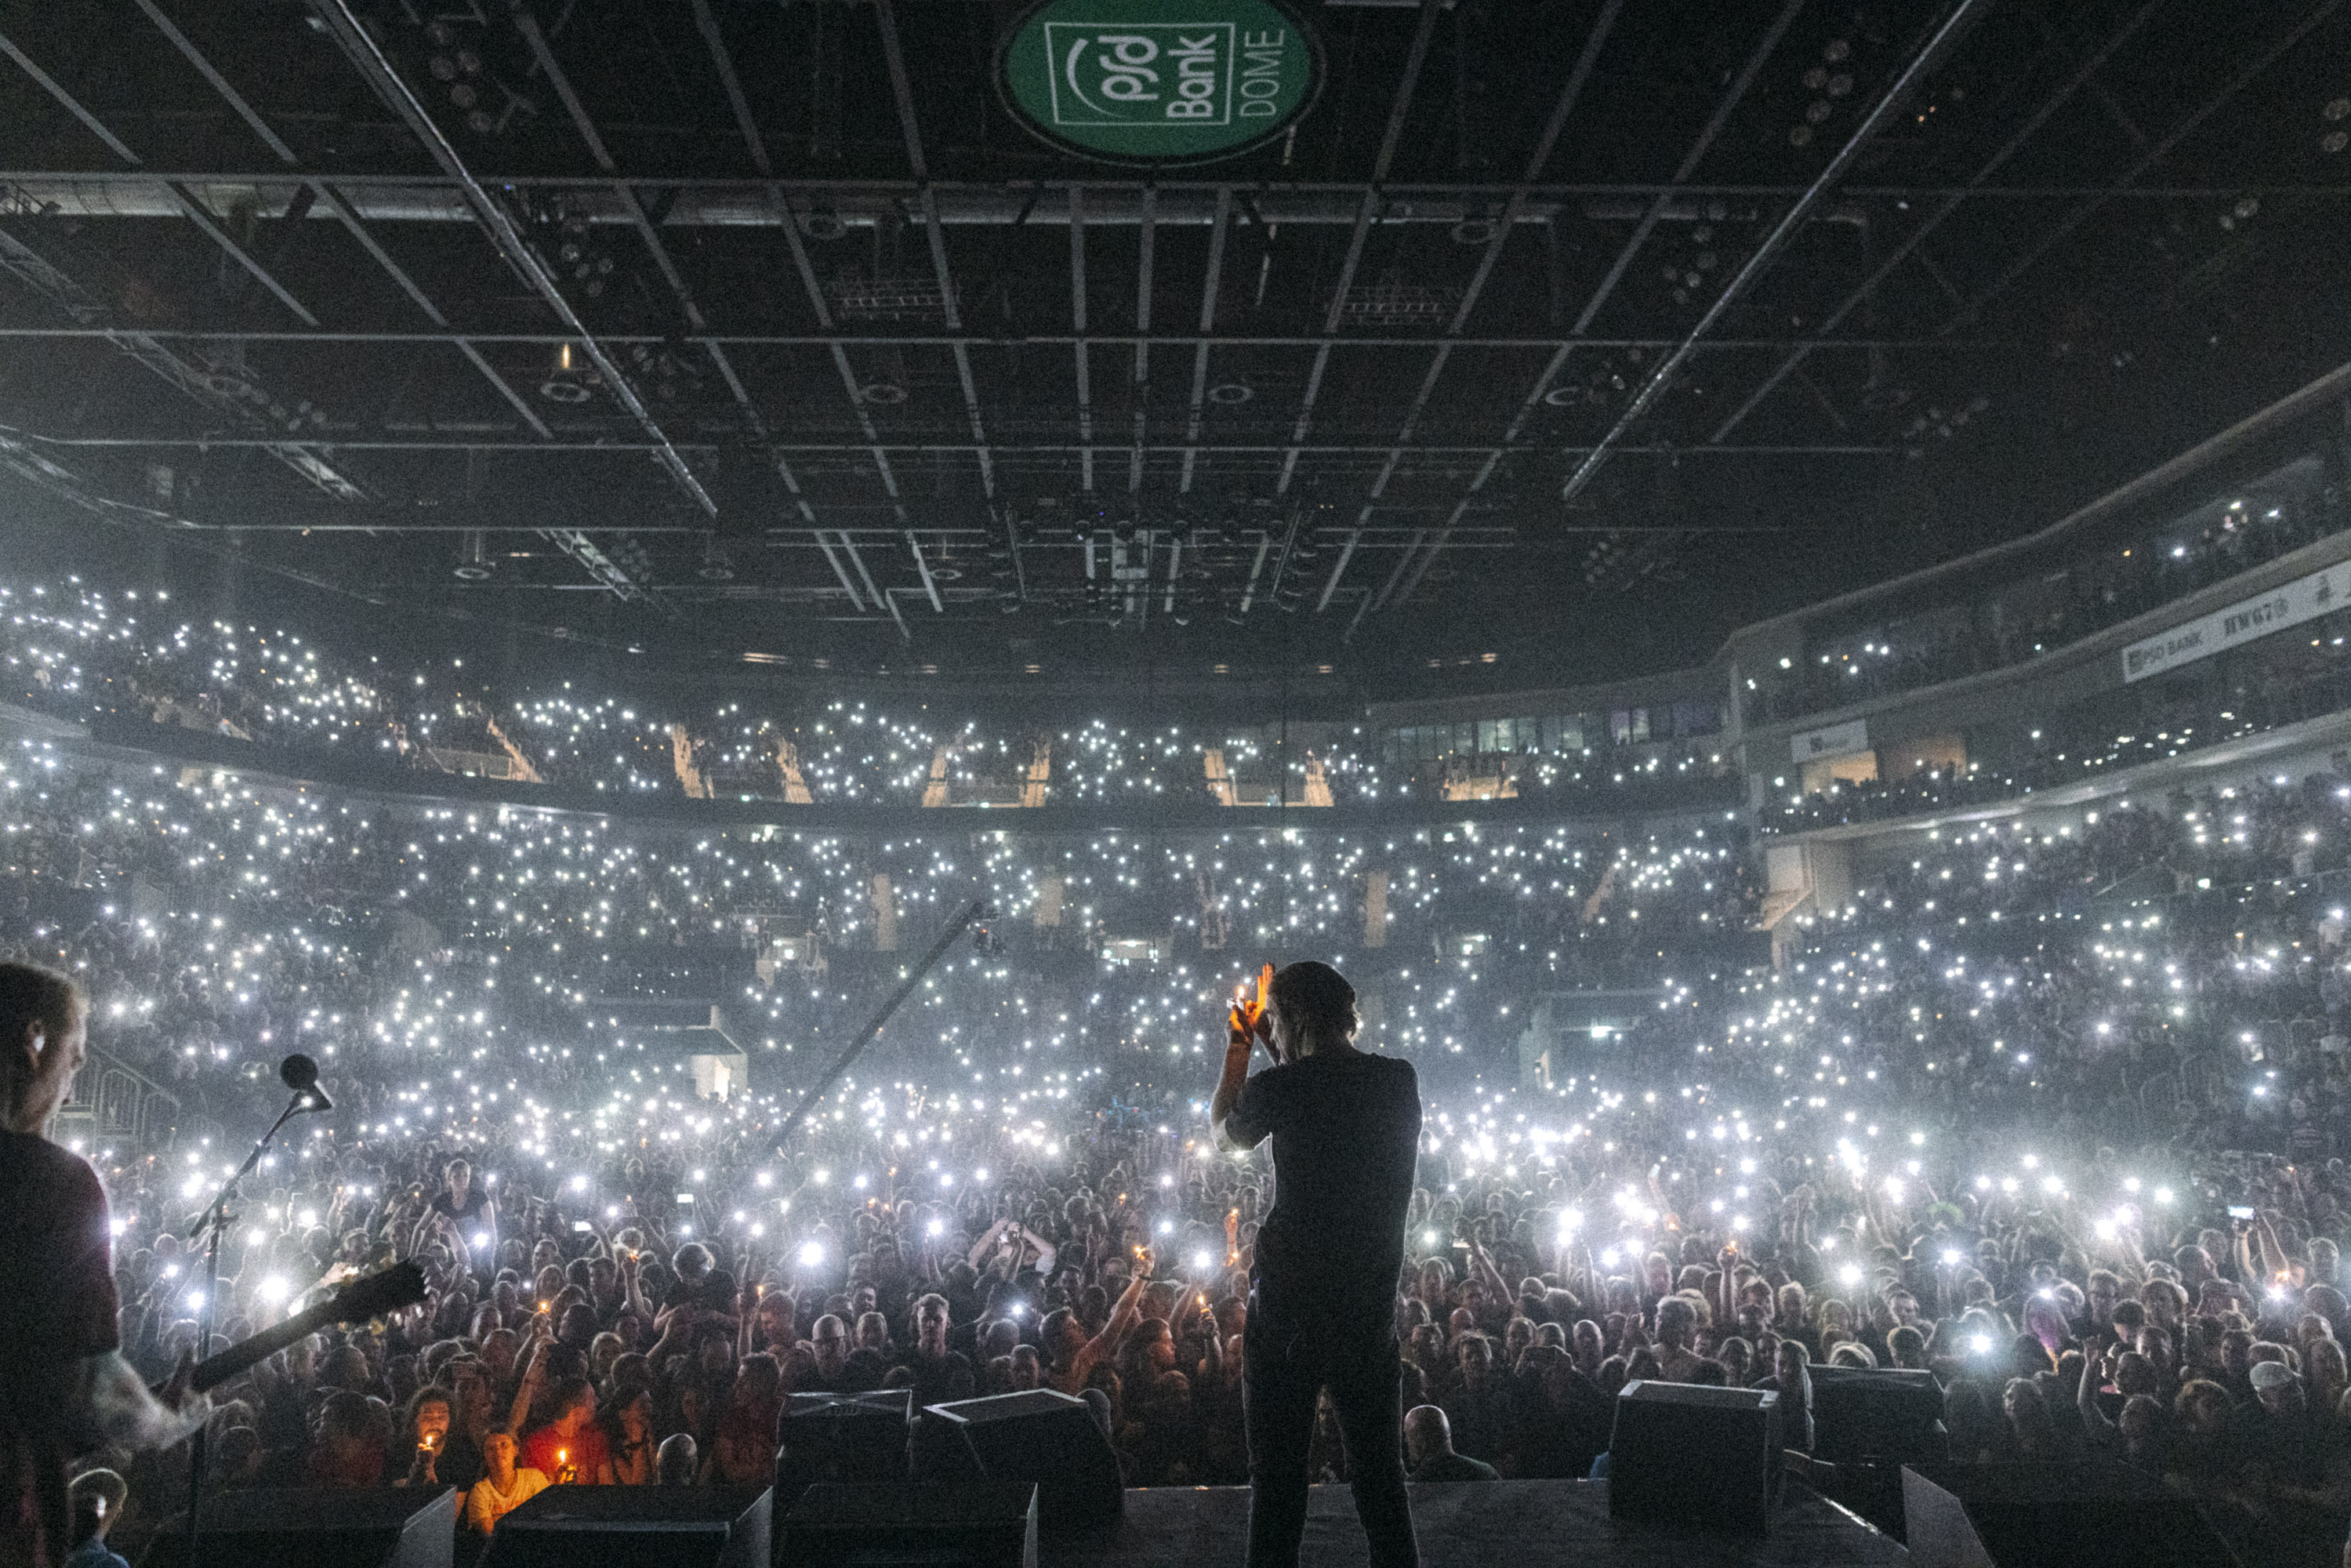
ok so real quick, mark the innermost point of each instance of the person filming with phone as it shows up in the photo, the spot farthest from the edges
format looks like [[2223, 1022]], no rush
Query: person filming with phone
[[1346, 1125]]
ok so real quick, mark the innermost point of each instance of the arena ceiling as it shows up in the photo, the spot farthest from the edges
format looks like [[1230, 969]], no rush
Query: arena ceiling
[[1579, 331]]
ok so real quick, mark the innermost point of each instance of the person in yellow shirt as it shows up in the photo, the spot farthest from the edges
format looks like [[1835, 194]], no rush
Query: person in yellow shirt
[[504, 1486]]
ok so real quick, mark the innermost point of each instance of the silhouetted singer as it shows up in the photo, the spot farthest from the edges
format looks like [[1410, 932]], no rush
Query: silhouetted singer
[[1346, 1127]]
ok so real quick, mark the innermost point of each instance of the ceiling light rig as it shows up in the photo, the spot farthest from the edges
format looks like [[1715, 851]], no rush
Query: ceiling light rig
[[473, 562], [568, 380]]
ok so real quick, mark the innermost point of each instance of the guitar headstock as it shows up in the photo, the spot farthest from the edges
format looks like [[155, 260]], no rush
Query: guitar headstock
[[378, 1294]]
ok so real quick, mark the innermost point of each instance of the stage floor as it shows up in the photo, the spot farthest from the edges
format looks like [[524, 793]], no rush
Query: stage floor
[[1490, 1524]]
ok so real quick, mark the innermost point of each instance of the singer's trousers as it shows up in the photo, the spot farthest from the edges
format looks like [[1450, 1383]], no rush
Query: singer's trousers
[[1282, 1375]]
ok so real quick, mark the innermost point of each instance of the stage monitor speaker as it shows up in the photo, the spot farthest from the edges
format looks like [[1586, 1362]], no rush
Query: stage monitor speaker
[[840, 1437], [636, 1527], [960, 1525], [1694, 1457], [1047, 1438], [1872, 1413], [2096, 1514], [289, 1527]]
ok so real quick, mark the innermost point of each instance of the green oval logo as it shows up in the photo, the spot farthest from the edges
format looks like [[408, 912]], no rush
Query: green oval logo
[[1158, 81]]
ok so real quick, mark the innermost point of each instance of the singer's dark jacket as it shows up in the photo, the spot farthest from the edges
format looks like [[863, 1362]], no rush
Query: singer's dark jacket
[[1346, 1133]]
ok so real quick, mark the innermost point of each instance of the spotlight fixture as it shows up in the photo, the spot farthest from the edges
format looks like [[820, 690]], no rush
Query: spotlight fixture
[[472, 565]]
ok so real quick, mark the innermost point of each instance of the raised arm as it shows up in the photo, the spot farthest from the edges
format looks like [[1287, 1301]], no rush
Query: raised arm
[[2095, 1424], [1121, 1317], [1046, 1252], [981, 1248], [1239, 1044], [534, 1372], [1482, 1262]]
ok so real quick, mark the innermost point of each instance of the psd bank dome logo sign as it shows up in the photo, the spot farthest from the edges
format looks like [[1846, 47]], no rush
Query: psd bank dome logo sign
[[1158, 81]]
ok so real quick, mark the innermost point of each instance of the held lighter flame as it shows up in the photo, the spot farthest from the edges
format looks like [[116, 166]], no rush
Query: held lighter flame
[[1249, 1016]]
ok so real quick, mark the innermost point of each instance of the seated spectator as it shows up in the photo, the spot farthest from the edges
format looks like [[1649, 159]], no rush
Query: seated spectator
[[348, 1449], [96, 1500], [676, 1463], [504, 1486], [568, 1446], [1429, 1450], [744, 1453], [626, 1418]]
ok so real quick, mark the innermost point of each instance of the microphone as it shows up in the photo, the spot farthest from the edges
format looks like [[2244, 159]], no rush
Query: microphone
[[300, 1074]]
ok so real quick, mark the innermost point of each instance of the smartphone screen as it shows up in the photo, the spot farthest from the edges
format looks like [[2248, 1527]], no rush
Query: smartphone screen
[[581, 1227], [2241, 1211]]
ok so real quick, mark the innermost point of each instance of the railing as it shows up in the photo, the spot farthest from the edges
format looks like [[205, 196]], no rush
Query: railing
[[471, 764], [126, 1105], [2077, 753]]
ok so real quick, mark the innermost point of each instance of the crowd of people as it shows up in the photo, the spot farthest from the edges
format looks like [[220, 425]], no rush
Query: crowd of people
[[77, 650], [2050, 1112], [2044, 609], [2251, 691]]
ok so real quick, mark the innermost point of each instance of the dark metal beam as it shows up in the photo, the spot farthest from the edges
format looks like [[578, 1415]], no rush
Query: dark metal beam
[[72, 104], [194, 373], [422, 301], [873, 447], [91, 316], [724, 61], [1139, 390], [220, 84], [549, 66], [1418, 343], [806, 269], [209, 227], [189, 206], [361, 48], [1514, 210], [902, 92], [2047, 239], [1946, 36], [1571, 91], [1213, 281], [731, 200], [471, 442], [1078, 317], [1723, 109], [1950, 203], [603, 568], [1391, 140]]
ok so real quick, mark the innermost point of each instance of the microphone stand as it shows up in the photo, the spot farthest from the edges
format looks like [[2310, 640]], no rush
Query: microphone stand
[[215, 1220]]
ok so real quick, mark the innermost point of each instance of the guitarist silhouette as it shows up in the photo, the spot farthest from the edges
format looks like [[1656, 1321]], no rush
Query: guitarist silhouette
[[65, 1388]]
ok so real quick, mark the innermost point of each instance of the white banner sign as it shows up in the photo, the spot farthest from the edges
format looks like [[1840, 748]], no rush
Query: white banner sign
[[1836, 740], [2305, 599]]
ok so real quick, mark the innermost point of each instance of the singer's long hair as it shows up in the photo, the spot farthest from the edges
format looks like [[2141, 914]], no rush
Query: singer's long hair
[[29, 995]]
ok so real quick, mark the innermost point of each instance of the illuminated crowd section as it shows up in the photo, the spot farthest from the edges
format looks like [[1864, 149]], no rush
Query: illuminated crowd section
[[1639, 1039], [497, 980], [74, 650]]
